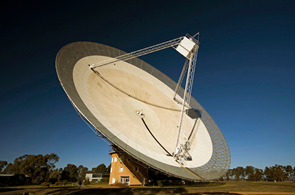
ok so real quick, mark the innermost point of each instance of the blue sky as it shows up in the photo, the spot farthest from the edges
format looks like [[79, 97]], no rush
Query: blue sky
[[244, 76]]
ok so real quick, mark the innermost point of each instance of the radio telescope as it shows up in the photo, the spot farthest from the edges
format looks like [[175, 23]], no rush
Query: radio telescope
[[141, 110]]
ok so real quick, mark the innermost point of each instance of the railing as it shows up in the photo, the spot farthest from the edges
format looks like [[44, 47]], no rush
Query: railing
[[131, 167]]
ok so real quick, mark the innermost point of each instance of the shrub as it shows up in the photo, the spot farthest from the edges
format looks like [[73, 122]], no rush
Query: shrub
[[58, 183], [87, 182], [121, 185], [64, 182], [105, 180], [160, 184], [45, 184]]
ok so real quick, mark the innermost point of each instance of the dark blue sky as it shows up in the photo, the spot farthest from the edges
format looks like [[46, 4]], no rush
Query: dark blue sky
[[244, 77]]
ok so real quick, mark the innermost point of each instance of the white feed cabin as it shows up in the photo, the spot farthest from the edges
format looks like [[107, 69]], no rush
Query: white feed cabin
[[186, 47]]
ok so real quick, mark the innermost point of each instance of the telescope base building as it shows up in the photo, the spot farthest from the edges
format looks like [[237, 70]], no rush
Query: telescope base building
[[127, 170]]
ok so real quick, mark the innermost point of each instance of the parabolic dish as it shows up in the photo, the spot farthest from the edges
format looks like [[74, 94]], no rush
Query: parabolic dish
[[116, 98]]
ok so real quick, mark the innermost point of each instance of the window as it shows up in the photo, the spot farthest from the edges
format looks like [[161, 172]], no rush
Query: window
[[136, 169], [97, 175], [113, 180], [111, 169], [121, 158], [121, 169], [115, 159]]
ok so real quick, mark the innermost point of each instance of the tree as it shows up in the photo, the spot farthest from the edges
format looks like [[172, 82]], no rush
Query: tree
[[3, 165], [256, 175], [70, 173], [276, 172], [65, 175], [100, 169], [8, 169], [15, 169], [228, 175], [82, 172], [109, 167], [249, 171], [55, 175], [241, 170], [239, 173], [37, 167], [289, 171]]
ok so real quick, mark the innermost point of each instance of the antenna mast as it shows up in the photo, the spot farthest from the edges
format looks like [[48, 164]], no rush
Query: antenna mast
[[191, 46]]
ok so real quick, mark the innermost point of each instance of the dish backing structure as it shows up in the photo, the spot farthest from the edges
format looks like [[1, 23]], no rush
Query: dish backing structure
[[137, 108]]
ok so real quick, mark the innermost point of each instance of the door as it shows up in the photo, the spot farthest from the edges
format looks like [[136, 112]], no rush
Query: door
[[125, 179]]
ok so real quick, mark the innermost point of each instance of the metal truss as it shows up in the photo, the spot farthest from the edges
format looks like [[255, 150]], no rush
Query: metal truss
[[140, 52]]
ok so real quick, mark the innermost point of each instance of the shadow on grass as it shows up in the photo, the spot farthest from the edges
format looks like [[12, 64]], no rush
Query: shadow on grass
[[130, 191], [60, 191], [9, 189], [116, 191], [135, 191]]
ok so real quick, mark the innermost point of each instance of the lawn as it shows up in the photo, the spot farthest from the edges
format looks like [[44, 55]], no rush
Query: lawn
[[232, 188]]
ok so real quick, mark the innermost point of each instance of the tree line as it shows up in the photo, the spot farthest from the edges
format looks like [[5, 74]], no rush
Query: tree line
[[272, 173], [41, 168]]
